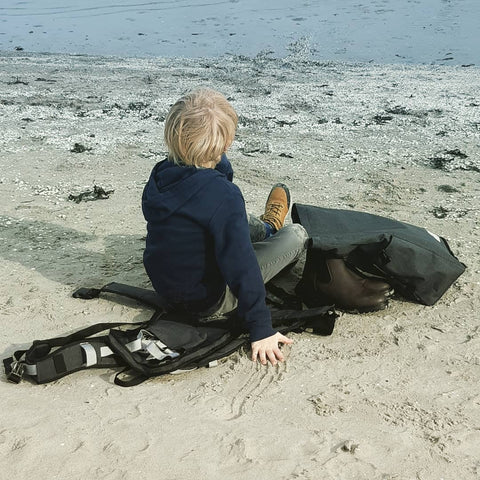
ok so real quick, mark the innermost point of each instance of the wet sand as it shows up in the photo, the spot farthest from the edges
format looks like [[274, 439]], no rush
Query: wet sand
[[390, 395]]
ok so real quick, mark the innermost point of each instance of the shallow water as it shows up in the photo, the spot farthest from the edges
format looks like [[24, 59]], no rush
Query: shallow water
[[383, 31]]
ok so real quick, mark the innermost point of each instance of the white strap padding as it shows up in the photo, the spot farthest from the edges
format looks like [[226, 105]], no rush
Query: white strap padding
[[158, 351], [24, 367], [30, 369], [135, 345], [147, 342], [105, 351], [90, 354]]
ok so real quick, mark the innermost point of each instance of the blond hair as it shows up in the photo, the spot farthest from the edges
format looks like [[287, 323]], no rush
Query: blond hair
[[199, 127]]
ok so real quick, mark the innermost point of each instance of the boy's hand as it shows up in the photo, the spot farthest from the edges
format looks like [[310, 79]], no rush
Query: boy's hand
[[268, 349]]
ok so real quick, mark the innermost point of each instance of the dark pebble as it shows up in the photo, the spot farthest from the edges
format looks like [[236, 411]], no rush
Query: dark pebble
[[79, 148], [382, 119], [439, 212], [98, 193], [282, 123], [447, 189], [397, 110], [456, 153], [440, 163]]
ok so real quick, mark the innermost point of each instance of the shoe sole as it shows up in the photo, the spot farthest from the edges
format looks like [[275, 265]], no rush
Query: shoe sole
[[368, 309]]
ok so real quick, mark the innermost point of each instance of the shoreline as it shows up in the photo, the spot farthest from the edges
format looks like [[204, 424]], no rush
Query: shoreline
[[265, 55]]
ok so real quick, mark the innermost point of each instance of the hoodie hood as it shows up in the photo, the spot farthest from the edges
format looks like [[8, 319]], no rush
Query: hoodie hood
[[170, 186]]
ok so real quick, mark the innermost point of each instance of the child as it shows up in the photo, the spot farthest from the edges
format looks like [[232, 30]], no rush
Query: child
[[198, 253]]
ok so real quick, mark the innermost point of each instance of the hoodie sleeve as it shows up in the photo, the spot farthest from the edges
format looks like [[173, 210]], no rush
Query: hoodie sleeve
[[224, 166], [239, 266]]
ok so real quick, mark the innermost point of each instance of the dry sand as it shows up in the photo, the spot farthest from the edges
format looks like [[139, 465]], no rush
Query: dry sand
[[390, 395]]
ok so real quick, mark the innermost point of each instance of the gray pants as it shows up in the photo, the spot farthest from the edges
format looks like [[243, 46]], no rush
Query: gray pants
[[273, 255]]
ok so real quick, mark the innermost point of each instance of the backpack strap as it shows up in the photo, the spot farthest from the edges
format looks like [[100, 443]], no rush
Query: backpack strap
[[320, 320], [50, 359], [71, 353], [290, 316], [279, 298], [142, 295]]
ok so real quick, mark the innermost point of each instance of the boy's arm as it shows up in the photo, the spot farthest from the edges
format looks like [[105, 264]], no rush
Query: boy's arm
[[224, 166], [239, 266]]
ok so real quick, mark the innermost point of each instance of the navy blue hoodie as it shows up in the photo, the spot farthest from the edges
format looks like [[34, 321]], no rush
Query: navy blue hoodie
[[198, 242]]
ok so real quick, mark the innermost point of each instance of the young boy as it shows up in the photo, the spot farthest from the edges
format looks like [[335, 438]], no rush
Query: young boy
[[198, 254]]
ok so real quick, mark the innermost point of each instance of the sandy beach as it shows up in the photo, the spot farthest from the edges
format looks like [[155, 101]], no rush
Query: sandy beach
[[391, 395]]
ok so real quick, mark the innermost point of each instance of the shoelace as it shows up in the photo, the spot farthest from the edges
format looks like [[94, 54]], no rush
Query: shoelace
[[273, 209], [273, 215]]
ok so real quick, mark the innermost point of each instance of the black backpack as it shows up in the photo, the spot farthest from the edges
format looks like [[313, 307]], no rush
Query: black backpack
[[418, 264], [168, 342]]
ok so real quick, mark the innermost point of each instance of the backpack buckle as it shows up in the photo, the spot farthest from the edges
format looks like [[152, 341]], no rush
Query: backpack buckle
[[15, 375]]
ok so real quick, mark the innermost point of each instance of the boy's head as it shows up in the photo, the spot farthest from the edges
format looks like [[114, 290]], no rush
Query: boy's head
[[199, 128]]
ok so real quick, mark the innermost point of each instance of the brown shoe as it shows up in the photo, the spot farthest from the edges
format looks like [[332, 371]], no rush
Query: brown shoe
[[333, 283], [377, 285], [277, 206]]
